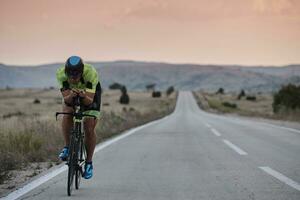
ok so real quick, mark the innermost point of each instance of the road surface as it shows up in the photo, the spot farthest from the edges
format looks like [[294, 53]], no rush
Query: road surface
[[191, 155]]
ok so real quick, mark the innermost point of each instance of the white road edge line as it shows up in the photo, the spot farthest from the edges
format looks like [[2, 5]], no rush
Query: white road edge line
[[281, 177], [215, 132], [235, 148], [39, 181], [282, 127]]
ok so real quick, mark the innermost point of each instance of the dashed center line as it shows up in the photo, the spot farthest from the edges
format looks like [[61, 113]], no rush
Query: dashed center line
[[207, 125], [216, 132], [235, 148], [281, 177]]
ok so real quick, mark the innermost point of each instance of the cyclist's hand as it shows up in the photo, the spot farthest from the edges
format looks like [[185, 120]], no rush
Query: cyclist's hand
[[82, 93], [76, 91], [73, 93]]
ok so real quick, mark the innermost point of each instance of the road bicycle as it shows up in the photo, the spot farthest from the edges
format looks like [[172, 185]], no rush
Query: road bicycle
[[77, 150]]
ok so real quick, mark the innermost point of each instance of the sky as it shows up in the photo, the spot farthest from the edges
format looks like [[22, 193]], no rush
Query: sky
[[246, 32]]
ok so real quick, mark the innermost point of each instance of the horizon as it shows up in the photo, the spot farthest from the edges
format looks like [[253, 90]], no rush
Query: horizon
[[153, 62], [221, 32]]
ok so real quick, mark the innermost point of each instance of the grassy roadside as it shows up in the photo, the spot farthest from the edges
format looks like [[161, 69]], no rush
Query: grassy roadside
[[30, 135], [229, 104]]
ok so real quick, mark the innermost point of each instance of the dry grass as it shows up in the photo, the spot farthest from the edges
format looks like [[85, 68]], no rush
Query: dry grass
[[262, 107], [30, 134]]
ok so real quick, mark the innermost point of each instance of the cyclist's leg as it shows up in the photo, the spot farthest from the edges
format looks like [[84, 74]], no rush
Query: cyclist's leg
[[67, 124], [90, 136], [90, 123]]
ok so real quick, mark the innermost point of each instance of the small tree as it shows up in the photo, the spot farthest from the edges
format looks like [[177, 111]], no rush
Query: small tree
[[156, 94], [115, 86], [124, 90], [170, 90], [220, 91], [242, 94], [150, 87], [124, 99], [288, 97]]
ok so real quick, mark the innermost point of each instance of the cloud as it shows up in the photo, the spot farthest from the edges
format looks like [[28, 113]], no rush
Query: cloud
[[276, 7], [206, 10], [179, 10]]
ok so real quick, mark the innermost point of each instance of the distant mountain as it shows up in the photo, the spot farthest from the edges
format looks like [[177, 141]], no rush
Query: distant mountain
[[136, 75]]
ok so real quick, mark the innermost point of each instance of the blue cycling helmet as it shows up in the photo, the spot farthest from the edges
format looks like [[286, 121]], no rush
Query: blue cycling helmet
[[74, 67]]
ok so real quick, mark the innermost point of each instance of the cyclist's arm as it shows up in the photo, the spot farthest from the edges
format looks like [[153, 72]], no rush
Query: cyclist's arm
[[88, 98]]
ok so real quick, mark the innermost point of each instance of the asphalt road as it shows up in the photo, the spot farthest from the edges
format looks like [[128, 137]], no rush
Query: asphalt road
[[192, 155]]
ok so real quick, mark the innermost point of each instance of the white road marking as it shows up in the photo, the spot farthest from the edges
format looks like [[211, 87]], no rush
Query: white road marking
[[235, 148], [25, 189], [239, 121], [207, 125], [281, 177], [216, 132], [39, 181], [282, 127]]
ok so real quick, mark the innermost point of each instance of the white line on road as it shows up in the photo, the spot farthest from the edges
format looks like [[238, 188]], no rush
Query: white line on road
[[27, 188], [281, 177], [282, 127], [216, 132], [34, 184], [234, 147], [207, 125], [239, 121]]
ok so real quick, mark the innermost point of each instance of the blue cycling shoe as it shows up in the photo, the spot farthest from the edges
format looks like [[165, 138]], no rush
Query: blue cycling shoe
[[63, 155], [88, 170]]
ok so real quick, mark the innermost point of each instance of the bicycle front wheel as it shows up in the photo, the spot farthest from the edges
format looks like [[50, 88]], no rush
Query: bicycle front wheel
[[72, 165], [81, 160]]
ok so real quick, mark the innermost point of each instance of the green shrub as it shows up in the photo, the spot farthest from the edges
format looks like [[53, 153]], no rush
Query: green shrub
[[220, 91], [156, 94], [230, 105], [24, 142], [170, 90], [251, 98], [242, 94], [115, 86], [288, 97], [9, 161]]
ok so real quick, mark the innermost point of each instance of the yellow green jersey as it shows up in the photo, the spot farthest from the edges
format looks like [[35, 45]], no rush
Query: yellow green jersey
[[88, 81]]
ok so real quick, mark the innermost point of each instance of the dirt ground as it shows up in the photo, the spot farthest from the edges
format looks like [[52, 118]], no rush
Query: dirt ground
[[20, 103]]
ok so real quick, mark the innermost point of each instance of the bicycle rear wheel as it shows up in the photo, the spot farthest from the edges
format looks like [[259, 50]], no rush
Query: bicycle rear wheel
[[72, 165]]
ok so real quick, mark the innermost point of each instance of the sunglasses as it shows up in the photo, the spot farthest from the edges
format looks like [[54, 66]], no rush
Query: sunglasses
[[74, 74]]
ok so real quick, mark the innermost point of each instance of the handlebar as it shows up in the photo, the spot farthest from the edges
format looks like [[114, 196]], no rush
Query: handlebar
[[77, 103], [74, 115]]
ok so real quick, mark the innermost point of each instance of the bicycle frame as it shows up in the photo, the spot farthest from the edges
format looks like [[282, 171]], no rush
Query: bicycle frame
[[76, 146]]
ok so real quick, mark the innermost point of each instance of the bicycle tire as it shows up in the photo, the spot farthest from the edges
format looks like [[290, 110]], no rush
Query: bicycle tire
[[79, 171], [71, 163]]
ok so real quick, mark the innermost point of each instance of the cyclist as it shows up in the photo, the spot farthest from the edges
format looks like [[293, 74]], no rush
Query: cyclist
[[79, 78]]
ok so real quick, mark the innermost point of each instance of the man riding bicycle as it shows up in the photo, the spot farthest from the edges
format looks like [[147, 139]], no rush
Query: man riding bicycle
[[78, 78]]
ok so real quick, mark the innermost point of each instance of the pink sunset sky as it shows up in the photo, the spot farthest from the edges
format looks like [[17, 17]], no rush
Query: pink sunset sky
[[248, 32]]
